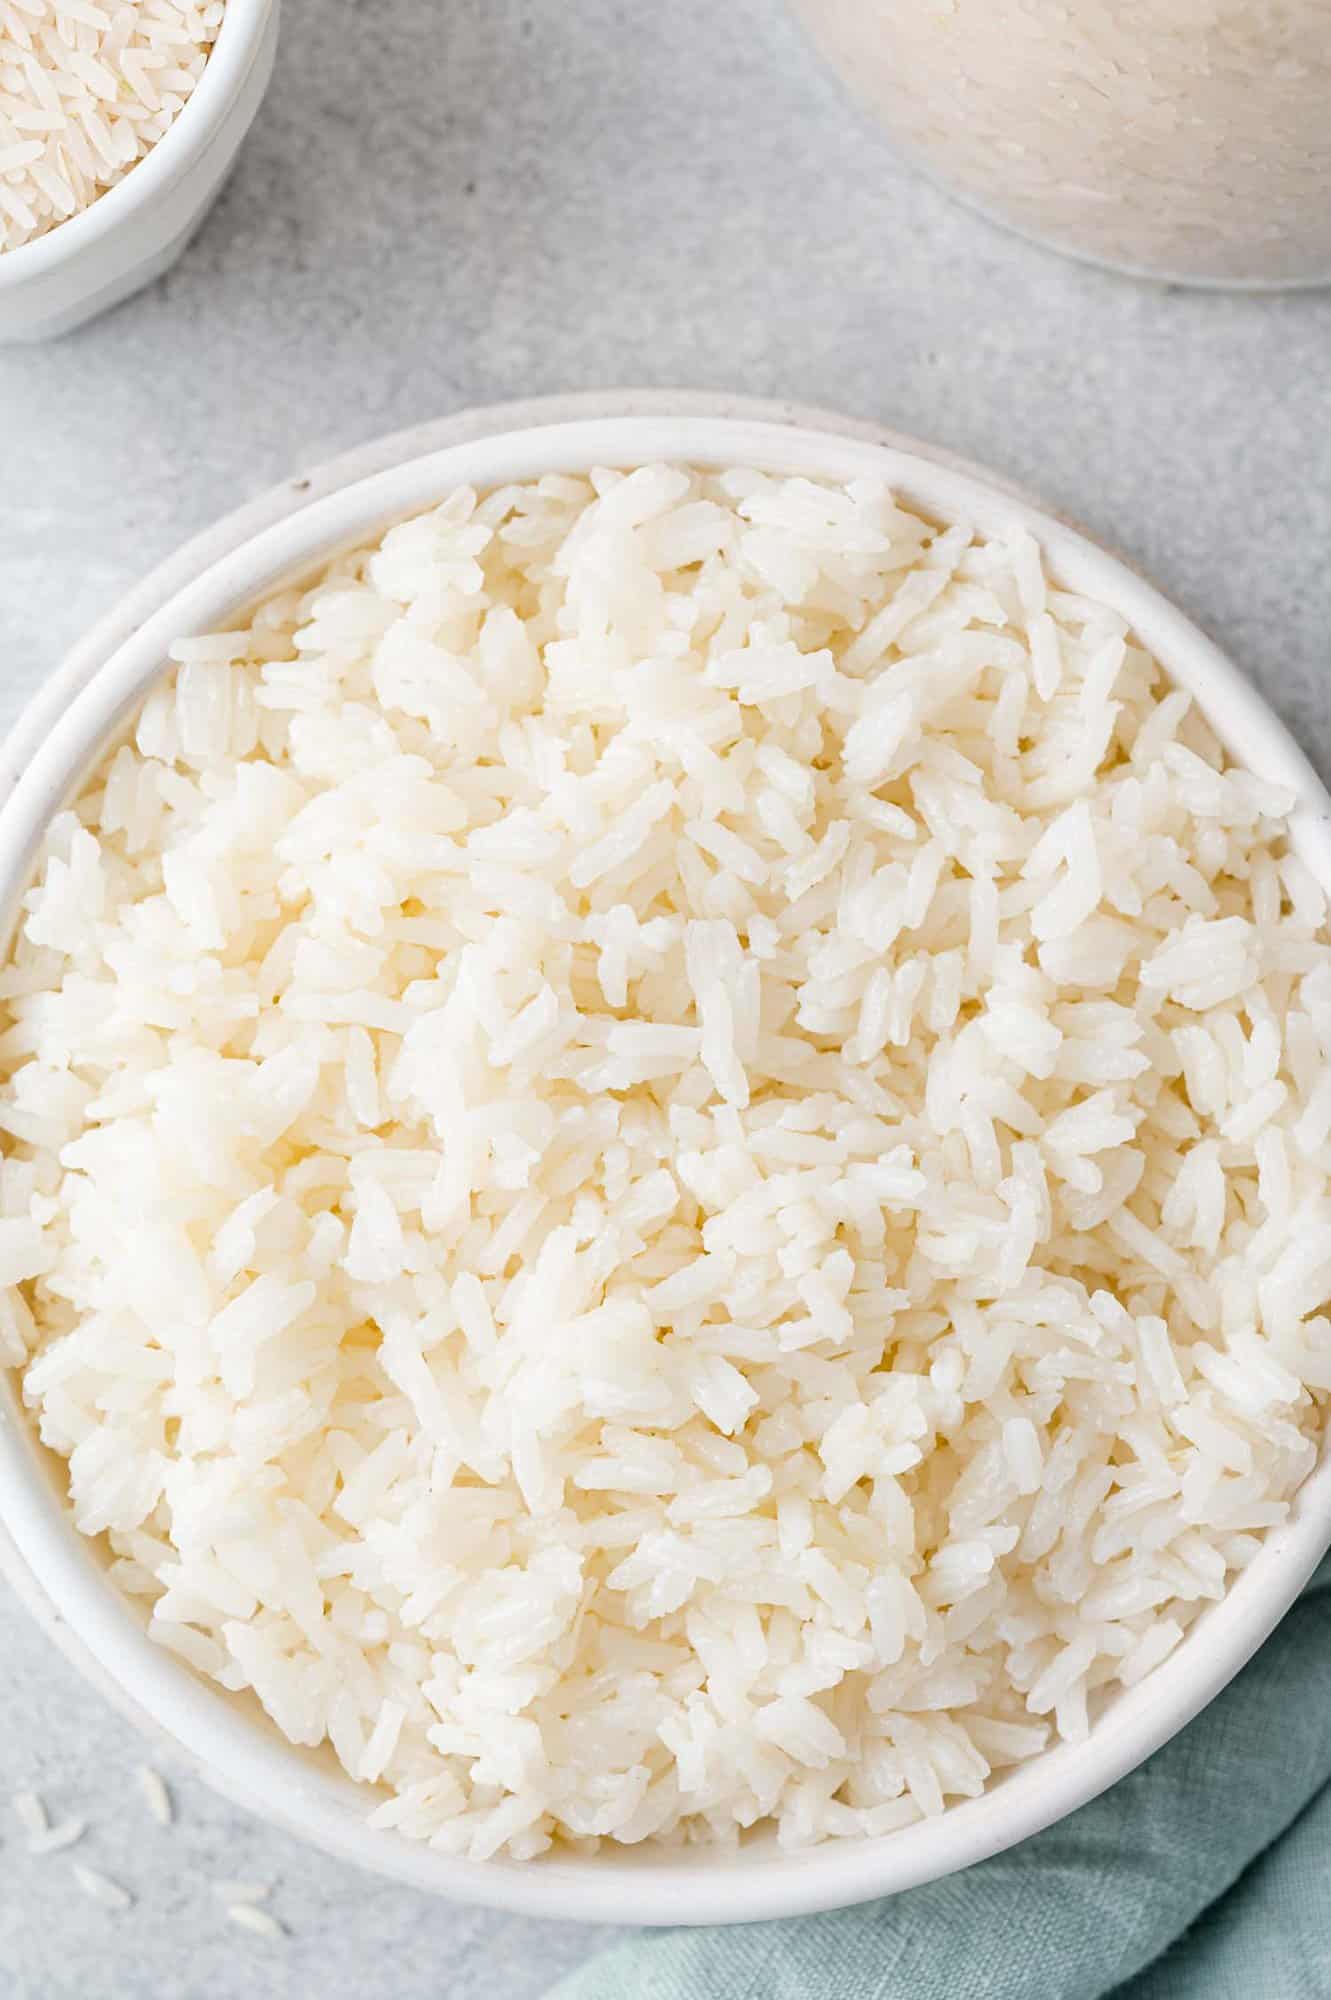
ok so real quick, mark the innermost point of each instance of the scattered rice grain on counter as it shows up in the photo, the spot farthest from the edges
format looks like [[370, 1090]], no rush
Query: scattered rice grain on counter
[[86, 90], [247, 1918], [155, 1794], [101, 1889], [30, 1811], [55, 1839], [669, 1161]]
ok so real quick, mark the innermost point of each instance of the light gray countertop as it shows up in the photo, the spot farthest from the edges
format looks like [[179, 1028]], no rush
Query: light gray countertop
[[455, 201]]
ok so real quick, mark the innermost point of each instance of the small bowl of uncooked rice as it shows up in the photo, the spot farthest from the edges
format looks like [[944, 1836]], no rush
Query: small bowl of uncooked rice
[[666, 1200], [119, 120]]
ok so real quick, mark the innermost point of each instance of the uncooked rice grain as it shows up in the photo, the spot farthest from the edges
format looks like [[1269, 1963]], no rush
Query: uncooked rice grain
[[87, 90], [55, 1839], [101, 1889], [242, 1892], [30, 1812], [260, 1922], [155, 1794], [668, 1161]]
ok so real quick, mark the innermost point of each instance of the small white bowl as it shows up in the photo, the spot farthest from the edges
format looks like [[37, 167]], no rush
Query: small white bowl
[[62, 1575], [138, 228]]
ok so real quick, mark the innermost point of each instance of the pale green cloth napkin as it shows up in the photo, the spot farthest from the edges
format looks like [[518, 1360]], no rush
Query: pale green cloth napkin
[[1205, 1875]]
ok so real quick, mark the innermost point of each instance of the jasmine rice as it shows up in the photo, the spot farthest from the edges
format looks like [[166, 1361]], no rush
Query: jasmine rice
[[668, 1161]]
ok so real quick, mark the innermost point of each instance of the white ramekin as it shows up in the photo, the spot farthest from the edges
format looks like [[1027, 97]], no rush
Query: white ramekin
[[138, 228], [62, 1575]]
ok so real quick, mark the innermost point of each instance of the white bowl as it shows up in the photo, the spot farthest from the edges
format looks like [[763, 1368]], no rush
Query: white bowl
[[138, 228], [62, 1574]]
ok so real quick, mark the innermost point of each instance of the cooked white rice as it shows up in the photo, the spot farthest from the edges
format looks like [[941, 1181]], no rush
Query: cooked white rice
[[670, 1161], [87, 87]]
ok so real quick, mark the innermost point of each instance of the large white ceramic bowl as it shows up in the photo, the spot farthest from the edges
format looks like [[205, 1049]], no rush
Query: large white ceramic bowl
[[138, 228], [62, 1574]]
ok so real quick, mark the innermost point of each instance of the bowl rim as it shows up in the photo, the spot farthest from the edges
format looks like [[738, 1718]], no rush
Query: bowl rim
[[57, 1572], [185, 140]]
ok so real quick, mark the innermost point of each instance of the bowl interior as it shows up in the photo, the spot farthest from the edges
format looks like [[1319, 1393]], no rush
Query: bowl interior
[[228, 1739]]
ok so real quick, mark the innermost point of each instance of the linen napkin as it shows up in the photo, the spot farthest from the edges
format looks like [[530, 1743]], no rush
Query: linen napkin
[[1203, 1875]]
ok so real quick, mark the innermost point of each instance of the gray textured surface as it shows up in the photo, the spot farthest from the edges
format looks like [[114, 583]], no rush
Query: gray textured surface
[[452, 201]]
